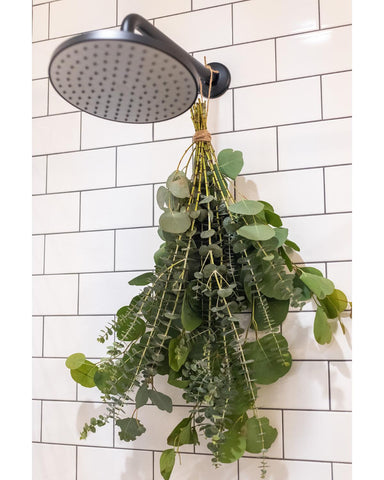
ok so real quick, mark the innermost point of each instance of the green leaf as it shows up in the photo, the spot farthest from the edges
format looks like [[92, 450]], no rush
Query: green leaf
[[232, 448], [230, 162], [174, 222], [101, 379], [256, 232], [334, 304], [190, 314], [224, 292], [273, 219], [313, 270], [259, 434], [85, 374], [271, 358], [129, 327], [160, 255], [178, 184], [142, 395], [321, 328], [182, 434], [320, 286], [281, 234], [177, 352], [277, 309], [292, 245], [167, 462], [207, 233], [246, 207], [143, 279], [222, 183], [75, 360], [131, 428], [174, 380], [162, 402]]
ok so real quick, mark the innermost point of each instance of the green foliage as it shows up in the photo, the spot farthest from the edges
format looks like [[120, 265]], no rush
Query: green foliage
[[218, 259]]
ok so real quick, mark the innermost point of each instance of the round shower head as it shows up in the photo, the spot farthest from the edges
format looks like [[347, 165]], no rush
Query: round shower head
[[131, 77]]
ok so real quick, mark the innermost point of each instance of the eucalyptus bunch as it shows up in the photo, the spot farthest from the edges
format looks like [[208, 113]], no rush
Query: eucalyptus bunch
[[219, 259]]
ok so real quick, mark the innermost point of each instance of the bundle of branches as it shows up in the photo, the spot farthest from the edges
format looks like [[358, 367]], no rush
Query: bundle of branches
[[219, 259]]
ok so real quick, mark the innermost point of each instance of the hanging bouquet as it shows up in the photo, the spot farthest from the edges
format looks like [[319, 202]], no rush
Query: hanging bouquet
[[220, 258]]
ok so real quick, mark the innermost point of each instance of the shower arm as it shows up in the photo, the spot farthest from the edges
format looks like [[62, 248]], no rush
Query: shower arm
[[134, 22]]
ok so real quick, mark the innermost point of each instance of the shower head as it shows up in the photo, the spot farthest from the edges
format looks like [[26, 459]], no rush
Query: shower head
[[133, 75]]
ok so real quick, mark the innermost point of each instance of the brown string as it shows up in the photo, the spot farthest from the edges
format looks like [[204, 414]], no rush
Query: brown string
[[204, 135]]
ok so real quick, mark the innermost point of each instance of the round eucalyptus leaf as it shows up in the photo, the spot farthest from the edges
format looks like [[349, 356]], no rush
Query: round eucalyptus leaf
[[175, 222], [232, 448], [75, 360], [321, 327], [246, 207], [256, 232], [259, 434], [178, 184], [85, 374], [230, 162]]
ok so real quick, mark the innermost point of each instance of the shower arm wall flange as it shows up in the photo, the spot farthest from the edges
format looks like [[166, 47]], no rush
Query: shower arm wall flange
[[220, 80]]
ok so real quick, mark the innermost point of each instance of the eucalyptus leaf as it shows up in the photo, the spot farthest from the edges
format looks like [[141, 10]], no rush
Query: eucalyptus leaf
[[334, 304], [292, 245], [320, 286], [143, 279], [174, 222], [270, 315], [182, 434], [142, 395], [177, 352], [129, 326], [256, 232], [259, 434], [321, 328], [167, 462], [190, 313], [246, 207], [230, 162], [232, 448], [75, 360], [130, 428], [273, 219], [162, 401], [178, 184], [85, 374]]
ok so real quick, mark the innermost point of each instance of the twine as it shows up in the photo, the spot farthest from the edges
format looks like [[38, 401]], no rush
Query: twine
[[202, 136]]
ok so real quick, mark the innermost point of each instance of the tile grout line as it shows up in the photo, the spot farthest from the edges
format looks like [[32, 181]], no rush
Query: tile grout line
[[41, 421], [329, 386], [321, 97], [318, 14], [42, 336], [77, 461], [324, 193], [277, 151], [232, 30], [282, 434]]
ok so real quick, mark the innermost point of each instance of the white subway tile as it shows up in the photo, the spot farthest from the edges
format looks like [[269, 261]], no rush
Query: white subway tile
[[196, 4], [97, 132], [277, 103], [55, 213], [315, 144], [40, 22], [199, 30], [341, 385], [63, 422], [36, 420], [304, 386], [102, 463], [321, 237], [56, 134], [117, 208], [317, 435], [290, 193], [259, 19], [152, 8], [53, 461], [85, 394], [337, 95], [135, 248], [40, 97], [81, 170], [298, 330], [105, 293], [73, 16], [341, 275], [313, 53], [52, 380], [258, 68], [37, 254], [258, 147], [219, 120], [335, 12], [54, 294], [197, 467], [342, 471], [338, 189], [66, 335], [57, 104], [176, 394], [39, 170], [285, 469], [41, 56], [37, 336], [159, 425], [79, 252], [149, 162]]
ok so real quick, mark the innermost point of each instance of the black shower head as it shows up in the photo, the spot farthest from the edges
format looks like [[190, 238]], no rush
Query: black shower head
[[133, 75]]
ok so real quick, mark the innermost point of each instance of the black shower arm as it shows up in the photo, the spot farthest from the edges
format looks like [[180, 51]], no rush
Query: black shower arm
[[133, 22]]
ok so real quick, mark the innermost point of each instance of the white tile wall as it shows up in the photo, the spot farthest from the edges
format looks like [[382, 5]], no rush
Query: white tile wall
[[100, 209], [150, 9], [313, 53], [337, 95], [72, 16], [66, 335], [260, 19], [338, 189], [70, 171], [79, 252], [213, 25], [317, 435], [39, 170], [55, 213], [102, 463], [94, 215], [276, 188], [277, 103], [129, 256], [315, 144], [53, 461]]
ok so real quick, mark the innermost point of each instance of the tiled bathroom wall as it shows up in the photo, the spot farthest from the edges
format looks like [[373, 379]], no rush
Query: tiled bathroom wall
[[288, 110]]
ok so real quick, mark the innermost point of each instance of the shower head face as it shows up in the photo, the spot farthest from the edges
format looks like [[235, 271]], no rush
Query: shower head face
[[122, 76]]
